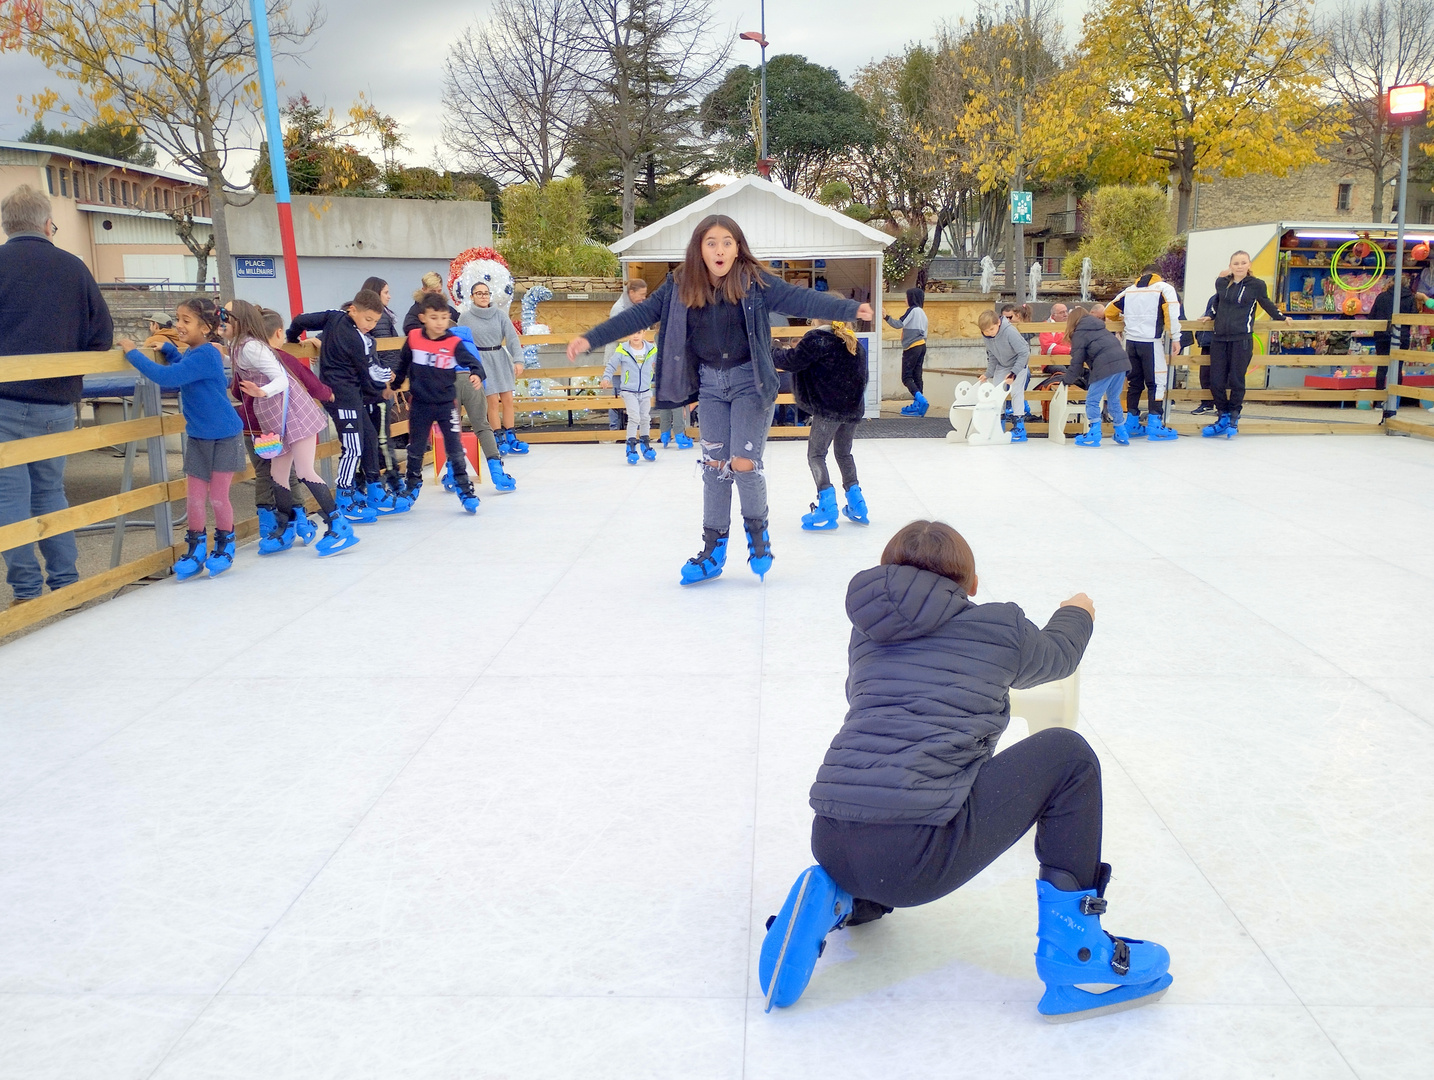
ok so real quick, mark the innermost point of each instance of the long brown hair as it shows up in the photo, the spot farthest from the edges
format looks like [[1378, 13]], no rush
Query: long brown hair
[[934, 546], [1075, 316], [694, 283], [248, 320]]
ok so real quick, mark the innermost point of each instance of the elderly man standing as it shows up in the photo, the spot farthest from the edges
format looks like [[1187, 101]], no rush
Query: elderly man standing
[[49, 303]]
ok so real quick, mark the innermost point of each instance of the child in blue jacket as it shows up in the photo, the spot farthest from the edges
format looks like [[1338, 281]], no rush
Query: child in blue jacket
[[214, 450]]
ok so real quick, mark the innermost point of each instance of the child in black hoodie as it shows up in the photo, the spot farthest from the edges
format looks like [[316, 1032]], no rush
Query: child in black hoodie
[[829, 369], [345, 356], [432, 359]]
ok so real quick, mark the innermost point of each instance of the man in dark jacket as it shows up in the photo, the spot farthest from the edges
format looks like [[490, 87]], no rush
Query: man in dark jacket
[[49, 303]]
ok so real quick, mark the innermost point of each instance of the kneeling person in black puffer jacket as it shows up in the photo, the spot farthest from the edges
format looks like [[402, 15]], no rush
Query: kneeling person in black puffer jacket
[[911, 802], [829, 381]]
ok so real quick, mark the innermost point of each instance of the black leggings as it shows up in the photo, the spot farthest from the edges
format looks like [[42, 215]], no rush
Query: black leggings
[[1050, 780], [826, 434], [1229, 361], [911, 362], [422, 415]]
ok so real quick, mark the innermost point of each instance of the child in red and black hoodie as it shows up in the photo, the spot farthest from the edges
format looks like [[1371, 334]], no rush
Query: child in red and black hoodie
[[432, 359]]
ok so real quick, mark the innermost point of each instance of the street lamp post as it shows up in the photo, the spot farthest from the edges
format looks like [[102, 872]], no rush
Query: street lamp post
[[1406, 106], [760, 37]]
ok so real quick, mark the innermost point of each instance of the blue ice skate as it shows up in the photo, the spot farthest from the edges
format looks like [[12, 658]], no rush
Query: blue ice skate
[[1156, 431], [823, 517], [648, 453], [501, 480], [918, 406], [222, 557], [192, 561], [632, 451], [354, 507], [709, 562], [304, 529], [1134, 429], [797, 935], [1074, 954], [1221, 427], [447, 479], [1120, 433], [513, 444], [759, 546], [1018, 431], [279, 536], [683, 442], [469, 498], [339, 537], [855, 507], [1093, 436]]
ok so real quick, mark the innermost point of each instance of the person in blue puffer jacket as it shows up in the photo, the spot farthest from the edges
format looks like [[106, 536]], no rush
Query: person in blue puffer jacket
[[911, 800]]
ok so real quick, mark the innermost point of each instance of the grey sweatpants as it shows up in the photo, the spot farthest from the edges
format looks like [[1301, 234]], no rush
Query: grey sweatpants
[[672, 420], [639, 414], [472, 399]]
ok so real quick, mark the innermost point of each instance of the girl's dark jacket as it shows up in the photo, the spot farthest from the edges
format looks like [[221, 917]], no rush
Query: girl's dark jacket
[[1235, 303], [677, 367], [1093, 346], [828, 381], [929, 693]]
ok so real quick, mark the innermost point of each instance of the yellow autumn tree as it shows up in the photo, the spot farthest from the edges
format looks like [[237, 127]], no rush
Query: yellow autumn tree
[[183, 71], [1187, 89]]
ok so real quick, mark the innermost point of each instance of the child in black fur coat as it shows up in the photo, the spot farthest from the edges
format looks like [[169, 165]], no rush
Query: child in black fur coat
[[828, 366]]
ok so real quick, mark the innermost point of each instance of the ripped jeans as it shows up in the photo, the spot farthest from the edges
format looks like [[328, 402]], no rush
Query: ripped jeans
[[734, 418]]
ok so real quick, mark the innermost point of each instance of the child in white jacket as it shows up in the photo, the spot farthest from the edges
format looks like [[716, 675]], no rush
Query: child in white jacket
[[1008, 360], [634, 362]]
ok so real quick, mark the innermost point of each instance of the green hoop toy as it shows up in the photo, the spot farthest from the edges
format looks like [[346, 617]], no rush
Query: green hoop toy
[[1379, 265]]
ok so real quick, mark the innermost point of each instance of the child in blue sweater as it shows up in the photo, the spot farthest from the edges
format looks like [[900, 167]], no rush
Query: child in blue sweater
[[214, 451]]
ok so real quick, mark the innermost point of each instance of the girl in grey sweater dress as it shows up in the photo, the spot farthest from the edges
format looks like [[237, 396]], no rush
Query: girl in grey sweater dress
[[496, 339]]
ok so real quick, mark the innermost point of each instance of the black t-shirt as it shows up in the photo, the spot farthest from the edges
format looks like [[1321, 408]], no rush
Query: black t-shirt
[[717, 334]]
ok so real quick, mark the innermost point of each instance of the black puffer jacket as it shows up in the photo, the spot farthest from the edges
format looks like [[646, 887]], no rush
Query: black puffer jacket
[[928, 690], [1093, 346], [828, 381]]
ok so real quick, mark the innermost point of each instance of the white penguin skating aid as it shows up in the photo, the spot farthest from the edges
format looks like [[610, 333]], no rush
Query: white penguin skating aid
[[986, 427], [1060, 413]]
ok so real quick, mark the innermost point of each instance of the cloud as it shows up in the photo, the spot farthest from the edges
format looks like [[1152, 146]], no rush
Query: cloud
[[391, 53]]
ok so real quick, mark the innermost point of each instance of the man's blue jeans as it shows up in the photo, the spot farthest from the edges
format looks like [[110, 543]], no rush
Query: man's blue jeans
[[30, 490]]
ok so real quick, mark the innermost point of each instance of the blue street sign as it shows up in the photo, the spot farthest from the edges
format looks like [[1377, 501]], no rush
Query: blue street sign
[[1023, 205], [260, 268]]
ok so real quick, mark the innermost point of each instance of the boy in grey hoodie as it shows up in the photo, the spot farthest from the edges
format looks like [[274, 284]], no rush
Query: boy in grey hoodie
[[913, 350], [1008, 359]]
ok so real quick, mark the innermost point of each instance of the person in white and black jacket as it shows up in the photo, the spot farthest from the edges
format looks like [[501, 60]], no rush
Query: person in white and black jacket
[[1237, 294], [346, 355]]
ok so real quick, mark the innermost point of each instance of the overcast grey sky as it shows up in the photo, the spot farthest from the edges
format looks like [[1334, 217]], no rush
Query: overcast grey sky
[[379, 48]]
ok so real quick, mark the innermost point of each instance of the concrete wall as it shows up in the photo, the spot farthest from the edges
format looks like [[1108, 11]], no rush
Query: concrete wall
[[363, 228]]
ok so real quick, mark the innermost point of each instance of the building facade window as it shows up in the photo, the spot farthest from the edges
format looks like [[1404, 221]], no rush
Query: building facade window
[[166, 198], [114, 192], [64, 181], [1343, 196], [1426, 213], [50, 179]]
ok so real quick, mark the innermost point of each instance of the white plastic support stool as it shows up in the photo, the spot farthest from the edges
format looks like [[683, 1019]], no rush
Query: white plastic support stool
[[961, 410], [986, 427], [1060, 410], [1052, 704]]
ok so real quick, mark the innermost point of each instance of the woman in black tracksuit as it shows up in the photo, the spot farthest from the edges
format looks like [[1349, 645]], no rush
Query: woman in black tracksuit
[[1237, 293]]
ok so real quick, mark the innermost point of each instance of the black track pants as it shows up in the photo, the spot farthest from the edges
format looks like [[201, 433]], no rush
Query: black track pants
[[348, 417], [912, 361], [1050, 780], [1142, 377], [421, 418]]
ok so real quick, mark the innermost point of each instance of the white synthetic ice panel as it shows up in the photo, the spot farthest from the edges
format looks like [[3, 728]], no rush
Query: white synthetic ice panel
[[493, 797]]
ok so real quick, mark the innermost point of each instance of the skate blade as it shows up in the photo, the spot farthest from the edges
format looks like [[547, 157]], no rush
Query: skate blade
[[1106, 1010]]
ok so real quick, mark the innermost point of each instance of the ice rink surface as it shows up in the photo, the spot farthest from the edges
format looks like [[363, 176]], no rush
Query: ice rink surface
[[491, 797]]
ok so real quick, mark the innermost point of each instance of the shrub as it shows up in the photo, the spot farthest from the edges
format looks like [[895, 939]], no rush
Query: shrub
[[1129, 227], [901, 260], [545, 232]]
